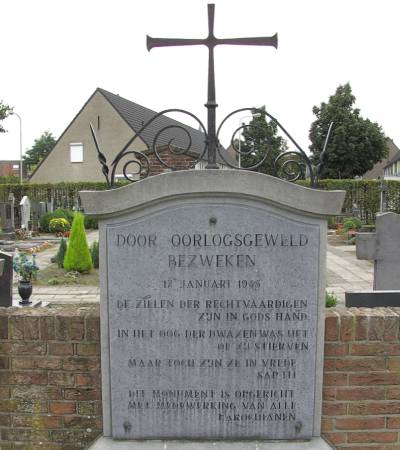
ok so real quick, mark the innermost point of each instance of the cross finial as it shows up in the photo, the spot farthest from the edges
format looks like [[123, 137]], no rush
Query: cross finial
[[211, 41]]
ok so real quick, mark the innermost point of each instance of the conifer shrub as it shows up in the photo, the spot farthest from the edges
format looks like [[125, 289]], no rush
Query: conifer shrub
[[78, 256], [94, 251], [62, 249]]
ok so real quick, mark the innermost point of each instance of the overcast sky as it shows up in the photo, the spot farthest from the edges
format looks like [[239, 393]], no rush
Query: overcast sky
[[55, 53]]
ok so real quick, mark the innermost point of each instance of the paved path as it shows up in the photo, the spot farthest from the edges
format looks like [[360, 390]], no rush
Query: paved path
[[344, 273]]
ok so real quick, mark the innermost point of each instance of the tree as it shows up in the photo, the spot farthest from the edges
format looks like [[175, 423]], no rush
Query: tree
[[260, 138], [39, 150], [78, 255], [5, 111], [355, 145]]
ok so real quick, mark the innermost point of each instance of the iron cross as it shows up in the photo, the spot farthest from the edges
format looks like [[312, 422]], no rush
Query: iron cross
[[211, 41]]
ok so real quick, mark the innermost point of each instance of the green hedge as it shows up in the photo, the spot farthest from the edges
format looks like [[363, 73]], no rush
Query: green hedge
[[363, 197], [64, 195]]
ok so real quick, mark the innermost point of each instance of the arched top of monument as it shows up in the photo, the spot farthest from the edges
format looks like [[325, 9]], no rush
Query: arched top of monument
[[212, 183]]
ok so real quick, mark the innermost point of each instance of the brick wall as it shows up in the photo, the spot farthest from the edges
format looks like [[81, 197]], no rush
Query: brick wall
[[50, 395], [361, 407]]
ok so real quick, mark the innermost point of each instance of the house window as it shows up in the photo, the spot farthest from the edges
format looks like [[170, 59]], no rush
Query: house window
[[76, 150]]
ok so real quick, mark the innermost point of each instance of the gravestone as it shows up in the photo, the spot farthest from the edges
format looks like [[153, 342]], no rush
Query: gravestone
[[212, 307], [382, 247], [25, 206], [6, 279]]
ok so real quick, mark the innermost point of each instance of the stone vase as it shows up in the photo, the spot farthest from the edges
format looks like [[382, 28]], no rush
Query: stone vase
[[25, 291]]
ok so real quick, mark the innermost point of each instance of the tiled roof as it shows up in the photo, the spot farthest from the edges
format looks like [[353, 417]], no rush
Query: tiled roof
[[136, 116]]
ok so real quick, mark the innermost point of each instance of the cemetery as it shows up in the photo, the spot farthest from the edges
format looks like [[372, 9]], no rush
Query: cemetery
[[188, 309]]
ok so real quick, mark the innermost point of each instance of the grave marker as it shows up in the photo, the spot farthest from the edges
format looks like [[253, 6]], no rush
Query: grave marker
[[25, 206], [6, 279]]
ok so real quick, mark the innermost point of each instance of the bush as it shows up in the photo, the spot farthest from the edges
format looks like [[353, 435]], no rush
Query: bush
[[62, 249], [330, 300], [59, 225], [352, 223], [94, 251], [57, 214], [91, 223], [78, 256]]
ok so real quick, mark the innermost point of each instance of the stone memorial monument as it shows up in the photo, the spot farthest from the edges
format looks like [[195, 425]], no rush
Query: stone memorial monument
[[382, 247], [212, 292], [7, 225], [212, 306]]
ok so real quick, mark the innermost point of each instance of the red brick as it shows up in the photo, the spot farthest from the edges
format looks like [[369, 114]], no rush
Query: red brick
[[23, 377], [29, 405], [27, 436], [4, 392], [393, 364], [31, 328], [335, 379], [81, 363], [378, 349], [81, 422], [361, 326], [61, 378], [360, 364], [77, 328], [372, 437], [326, 424], [5, 420], [360, 393], [7, 406], [37, 421], [374, 408], [37, 392], [329, 393], [393, 422], [347, 326], [88, 349], [62, 328], [393, 393], [376, 328], [391, 331], [26, 347], [93, 329], [335, 438], [16, 327], [334, 409], [60, 348], [374, 379], [89, 408], [329, 364], [61, 408], [35, 362], [357, 423], [47, 330], [87, 379], [82, 393], [331, 326], [336, 349]]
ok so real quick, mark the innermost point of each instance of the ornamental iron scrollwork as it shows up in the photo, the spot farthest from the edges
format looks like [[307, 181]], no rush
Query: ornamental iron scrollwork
[[289, 165]]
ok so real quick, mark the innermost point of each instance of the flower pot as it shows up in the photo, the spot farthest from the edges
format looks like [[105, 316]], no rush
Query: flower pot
[[25, 291]]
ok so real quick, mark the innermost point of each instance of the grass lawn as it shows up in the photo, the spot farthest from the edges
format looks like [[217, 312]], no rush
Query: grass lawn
[[52, 276]]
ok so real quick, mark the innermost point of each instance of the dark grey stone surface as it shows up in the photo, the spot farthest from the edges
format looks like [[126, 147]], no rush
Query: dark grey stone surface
[[6, 280], [212, 322], [373, 299]]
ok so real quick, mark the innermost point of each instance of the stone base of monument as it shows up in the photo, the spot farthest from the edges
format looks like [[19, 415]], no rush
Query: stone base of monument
[[104, 443], [372, 299]]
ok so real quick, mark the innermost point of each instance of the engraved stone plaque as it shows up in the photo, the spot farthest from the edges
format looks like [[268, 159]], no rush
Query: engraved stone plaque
[[212, 306], [213, 309]]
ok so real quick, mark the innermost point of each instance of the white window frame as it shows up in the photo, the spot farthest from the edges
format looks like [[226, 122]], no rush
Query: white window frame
[[76, 157]]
